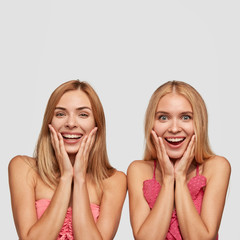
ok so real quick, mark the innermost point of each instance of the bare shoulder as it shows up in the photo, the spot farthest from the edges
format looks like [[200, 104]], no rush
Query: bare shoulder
[[114, 189], [217, 165], [21, 165], [22, 161], [118, 179], [141, 168]]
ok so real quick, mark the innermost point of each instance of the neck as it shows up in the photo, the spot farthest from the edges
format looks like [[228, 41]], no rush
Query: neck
[[72, 158], [174, 160]]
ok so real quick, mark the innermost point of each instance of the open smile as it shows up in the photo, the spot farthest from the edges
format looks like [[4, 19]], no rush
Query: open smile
[[71, 136], [175, 140]]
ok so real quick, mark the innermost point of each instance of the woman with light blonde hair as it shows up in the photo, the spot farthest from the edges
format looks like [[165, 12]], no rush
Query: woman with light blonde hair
[[68, 190], [178, 191]]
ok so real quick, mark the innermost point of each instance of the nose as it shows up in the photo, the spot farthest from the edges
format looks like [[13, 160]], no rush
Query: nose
[[71, 122], [175, 126]]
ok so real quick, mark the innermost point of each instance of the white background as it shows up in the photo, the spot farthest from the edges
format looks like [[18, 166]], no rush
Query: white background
[[125, 50]]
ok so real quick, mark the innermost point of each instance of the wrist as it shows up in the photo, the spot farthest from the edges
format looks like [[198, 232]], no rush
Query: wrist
[[180, 178], [66, 178], [66, 173], [79, 178], [168, 180]]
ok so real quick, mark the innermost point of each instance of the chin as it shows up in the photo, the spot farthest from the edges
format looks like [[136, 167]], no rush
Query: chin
[[175, 156], [71, 151]]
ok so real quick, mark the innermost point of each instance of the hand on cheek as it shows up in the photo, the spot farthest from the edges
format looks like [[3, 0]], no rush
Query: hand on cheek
[[82, 157], [165, 164], [181, 166], [62, 157]]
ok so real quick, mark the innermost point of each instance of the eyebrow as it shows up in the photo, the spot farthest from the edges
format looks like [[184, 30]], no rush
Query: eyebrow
[[80, 108], [189, 112], [163, 112]]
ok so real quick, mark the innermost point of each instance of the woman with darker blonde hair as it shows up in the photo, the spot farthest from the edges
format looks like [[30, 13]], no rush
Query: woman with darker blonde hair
[[179, 190], [68, 190]]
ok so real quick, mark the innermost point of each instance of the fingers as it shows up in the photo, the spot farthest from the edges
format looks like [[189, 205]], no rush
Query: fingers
[[155, 141], [188, 156], [54, 138], [190, 151], [192, 145], [158, 145], [162, 147], [57, 141], [90, 140], [165, 164], [61, 144], [93, 133], [82, 146], [87, 143]]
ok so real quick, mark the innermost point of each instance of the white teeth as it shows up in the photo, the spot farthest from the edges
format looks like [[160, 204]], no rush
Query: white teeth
[[175, 139], [71, 136]]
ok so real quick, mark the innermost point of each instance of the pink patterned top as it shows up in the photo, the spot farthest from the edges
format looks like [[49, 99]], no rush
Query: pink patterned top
[[151, 189], [66, 232]]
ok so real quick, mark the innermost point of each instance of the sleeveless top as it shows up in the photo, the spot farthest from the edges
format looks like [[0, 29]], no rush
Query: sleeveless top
[[66, 232], [151, 189]]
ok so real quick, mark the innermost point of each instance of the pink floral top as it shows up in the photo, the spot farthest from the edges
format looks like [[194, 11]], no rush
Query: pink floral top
[[66, 232], [151, 189]]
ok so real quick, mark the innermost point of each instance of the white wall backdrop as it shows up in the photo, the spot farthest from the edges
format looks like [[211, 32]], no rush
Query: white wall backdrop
[[125, 50]]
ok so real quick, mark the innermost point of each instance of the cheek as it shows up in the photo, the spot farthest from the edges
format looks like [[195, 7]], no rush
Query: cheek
[[190, 129], [88, 125], [158, 128], [55, 124]]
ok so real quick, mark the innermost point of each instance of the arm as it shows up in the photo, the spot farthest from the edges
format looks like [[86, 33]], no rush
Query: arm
[[149, 224], [114, 192], [205, 225], [22, 181]]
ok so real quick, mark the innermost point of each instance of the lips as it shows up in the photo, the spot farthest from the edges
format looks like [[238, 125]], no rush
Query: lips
[[71, 136], [175, 140]]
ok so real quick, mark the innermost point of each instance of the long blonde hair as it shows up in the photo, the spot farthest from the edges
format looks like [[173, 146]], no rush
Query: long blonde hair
[[200, 119], [98, 164]]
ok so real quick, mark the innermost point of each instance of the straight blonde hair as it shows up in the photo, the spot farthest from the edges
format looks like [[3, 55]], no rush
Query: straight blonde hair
[[200, 119], [99, 167]]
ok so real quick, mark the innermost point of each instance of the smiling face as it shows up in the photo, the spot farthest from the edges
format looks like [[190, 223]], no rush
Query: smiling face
[[174, 123], [73, 118]]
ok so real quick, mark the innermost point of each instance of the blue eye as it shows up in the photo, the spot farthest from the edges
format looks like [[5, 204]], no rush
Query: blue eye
[[186, 117], [60, 114], [163, 117], [84, 115]]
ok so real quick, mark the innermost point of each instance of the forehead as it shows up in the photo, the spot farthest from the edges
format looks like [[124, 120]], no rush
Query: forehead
[[174, 102], [74, 98]]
